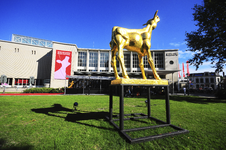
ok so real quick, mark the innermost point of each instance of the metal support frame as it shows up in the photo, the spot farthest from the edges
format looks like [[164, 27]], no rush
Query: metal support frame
[[148, 116]]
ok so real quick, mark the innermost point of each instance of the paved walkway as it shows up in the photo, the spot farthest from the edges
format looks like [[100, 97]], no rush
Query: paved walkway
[[197, 94], [29, 94]]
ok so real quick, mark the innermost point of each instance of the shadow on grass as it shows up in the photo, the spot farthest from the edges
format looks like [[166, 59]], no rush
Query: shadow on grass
[[196, 99], [20, 146], [72, 116]]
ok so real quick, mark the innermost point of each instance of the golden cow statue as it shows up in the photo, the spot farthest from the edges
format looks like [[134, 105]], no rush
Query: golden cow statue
[[136, 40]]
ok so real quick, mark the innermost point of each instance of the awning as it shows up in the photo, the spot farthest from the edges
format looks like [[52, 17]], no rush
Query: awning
[[161, 72], [91, 77]]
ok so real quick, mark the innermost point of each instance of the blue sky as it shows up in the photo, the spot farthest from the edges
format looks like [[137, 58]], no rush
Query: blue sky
[[88, 23]]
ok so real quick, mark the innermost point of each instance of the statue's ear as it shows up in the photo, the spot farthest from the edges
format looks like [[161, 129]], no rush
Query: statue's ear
[[156, 13]]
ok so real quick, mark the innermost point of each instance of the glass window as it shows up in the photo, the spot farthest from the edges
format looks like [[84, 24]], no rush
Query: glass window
[[197, 80], [82, 59], [212, 80], [135, 60], [93, 59], [201, 80], [127, 60], [104, 59], [146, 64], [158, 59]]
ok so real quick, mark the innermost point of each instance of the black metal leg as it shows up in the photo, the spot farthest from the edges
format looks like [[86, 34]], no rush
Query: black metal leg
[[121, 117], [121, 108], [167, 104], [110, 103], [149, 103]]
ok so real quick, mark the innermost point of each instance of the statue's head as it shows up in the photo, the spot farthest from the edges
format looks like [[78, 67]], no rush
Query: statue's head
[[154, 20]]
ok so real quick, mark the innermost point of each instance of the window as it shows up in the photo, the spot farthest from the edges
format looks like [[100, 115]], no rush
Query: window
[[171, 62], [17, 50], [127, 60], [212, 80], [92, 70], [207, 80], [197, 86], [135, 60], [34, 52], [93, 59], [104, 59], [201, 80], [197, 80], [81, 69], [82, 59], [145, 59], [158, 59], [103, 70]]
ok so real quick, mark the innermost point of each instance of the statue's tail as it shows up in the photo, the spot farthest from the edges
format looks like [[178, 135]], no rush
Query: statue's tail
[[112, 43]]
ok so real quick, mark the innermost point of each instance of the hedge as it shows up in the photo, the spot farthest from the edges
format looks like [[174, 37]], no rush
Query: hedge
[[44, 90]]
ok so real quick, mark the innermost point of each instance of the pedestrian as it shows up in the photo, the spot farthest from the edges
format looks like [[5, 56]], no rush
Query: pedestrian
[[184, 91]]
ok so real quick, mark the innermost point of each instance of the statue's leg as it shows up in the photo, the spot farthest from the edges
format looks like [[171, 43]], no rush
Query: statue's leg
[[141, 65], [121, 41], [113, 61], [150, 61]]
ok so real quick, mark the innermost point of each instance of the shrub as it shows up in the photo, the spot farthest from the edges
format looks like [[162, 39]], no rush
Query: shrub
[[44, 90], [221, 93]]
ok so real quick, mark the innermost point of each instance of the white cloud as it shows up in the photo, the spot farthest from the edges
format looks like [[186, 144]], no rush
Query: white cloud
[[185, 54], [178, 44]]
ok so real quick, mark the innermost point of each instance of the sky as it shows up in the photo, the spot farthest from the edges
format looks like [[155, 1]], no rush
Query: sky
[[88, 23]]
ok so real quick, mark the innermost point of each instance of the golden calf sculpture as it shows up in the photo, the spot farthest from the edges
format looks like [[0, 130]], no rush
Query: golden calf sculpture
[[136, 40]]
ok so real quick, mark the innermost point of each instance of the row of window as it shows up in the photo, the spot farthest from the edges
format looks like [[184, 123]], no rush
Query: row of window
[[104, 60], [201, 80], [93, 59], [17, 50], [202, 86], [23, 82]]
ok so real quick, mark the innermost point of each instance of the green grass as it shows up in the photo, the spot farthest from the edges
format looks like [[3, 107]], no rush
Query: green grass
[[48, 122]]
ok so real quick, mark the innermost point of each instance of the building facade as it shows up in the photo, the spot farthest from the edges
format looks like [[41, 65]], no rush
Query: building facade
[[206, 80], [47, 61]]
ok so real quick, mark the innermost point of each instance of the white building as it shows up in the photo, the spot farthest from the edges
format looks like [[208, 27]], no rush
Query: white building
[[24, 57], [204, 80]]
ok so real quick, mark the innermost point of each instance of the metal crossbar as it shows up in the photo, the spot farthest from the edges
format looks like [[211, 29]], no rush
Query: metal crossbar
[[121, 118]]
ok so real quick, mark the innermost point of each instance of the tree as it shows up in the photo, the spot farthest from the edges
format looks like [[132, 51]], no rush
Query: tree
[[209, 41]]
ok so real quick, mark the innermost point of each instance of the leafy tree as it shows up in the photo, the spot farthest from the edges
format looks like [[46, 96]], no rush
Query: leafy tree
[[209, 41]]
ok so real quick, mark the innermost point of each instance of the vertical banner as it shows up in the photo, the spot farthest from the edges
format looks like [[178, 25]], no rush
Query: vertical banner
[[179, 71], [183, 69], [62, 64], [188, 68]]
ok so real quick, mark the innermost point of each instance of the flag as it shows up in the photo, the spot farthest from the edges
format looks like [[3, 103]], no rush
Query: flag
[[183, 69], [188, 68]]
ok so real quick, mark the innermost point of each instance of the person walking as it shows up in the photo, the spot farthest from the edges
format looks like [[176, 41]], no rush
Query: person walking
[[184, 91]]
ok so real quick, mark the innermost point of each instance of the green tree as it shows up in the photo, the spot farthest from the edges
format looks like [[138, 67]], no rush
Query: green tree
[[209, 41]]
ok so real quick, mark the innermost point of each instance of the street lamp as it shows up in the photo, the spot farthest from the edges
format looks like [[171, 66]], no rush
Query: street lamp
[[188, 88], [89, 74]]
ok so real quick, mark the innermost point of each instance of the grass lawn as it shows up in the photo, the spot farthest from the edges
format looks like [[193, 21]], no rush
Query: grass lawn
[[48, 122]]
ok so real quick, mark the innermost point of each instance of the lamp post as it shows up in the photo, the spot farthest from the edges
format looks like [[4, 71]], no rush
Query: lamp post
[[89, 74], [188, 87]]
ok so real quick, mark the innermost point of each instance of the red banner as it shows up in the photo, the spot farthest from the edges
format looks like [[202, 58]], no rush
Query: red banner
[[62, 64], [183, 69], [188, 68]]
